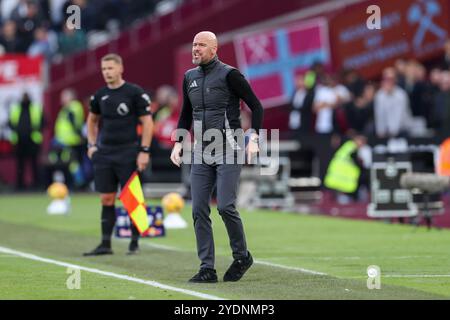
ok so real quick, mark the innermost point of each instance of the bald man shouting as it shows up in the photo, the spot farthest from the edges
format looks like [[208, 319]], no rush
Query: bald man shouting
[[211, 101]]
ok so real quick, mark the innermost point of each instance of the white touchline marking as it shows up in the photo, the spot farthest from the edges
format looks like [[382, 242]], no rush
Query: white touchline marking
[[303, 270], [109, 274], [415, 275], [275, 265], [156, 246], [164, 247], [355, 258], [319, 258], [413, 257], [261, 262]]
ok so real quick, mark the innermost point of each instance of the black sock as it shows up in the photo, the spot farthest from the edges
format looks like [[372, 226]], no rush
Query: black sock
[[108, 222], [134, 234]]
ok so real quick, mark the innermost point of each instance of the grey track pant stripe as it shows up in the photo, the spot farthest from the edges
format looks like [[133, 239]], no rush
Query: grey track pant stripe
[[203, 179]]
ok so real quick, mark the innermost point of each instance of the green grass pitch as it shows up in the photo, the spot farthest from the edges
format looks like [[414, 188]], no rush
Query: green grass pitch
[[414, 262]]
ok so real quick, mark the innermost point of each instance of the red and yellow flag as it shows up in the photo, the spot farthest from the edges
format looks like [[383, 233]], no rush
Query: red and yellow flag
[[443, 166], [133, 201]]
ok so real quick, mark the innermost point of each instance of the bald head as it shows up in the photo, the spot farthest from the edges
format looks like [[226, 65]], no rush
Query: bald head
[[208, 37], [204, 47]]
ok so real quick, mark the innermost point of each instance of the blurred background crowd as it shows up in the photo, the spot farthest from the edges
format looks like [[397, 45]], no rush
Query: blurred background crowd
[[37, 27], [404, 95]]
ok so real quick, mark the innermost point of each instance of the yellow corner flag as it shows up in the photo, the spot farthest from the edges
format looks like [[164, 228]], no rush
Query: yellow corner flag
[[133, 200]]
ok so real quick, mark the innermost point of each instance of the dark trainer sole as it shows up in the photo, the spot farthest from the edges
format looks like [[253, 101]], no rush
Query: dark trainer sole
[[203, 281]]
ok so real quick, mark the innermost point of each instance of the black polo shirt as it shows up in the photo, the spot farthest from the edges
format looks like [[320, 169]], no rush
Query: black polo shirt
[[120, 110]]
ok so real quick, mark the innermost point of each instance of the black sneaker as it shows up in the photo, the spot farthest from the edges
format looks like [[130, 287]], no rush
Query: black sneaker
[[205, 276], [100, 250], [238, 268], [133, 248]]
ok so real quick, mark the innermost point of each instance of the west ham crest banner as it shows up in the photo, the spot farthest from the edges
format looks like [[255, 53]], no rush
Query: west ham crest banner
[[271, 58]]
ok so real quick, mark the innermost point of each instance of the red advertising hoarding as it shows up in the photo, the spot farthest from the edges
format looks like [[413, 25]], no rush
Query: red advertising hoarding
[[409, 29]]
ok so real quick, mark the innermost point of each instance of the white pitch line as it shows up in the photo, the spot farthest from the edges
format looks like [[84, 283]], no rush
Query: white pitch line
[[415, 275], [163, 247], [110, 274], [308, 271], [261, 262], [359, 258], [303, 270]]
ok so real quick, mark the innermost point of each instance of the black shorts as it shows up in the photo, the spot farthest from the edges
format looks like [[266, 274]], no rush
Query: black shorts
[[113, 166]]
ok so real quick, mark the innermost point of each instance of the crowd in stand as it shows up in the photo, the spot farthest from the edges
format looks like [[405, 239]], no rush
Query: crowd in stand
[[409, 100], [332, 112], [65, 158], [38, 27]]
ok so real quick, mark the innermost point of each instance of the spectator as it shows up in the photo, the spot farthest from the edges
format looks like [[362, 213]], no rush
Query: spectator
[[343, 96], [69, 123], [166, 100], [416, 88], [431, 88], [315, 74], [391, 107], [446, 58], [298, 116], [42, 45], [26, 122], [19, 11], [69, 137], [325, 101], [6, 8], [71, 41], [441, 114], [346, 173], [400, 69], [56, 13], [96, 15], [434, 87], [353, 81], [28, 18], [359, 112], [369, 92], [9, 40], [44, 8], [435, 79], [342, 93], [165, 116]]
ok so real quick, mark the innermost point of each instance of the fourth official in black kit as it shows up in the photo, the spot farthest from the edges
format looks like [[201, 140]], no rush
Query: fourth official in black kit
[[114, 147]]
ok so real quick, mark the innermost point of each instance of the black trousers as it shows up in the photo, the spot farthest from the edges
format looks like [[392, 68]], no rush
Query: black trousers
[[203, 179], [26, 154]]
